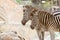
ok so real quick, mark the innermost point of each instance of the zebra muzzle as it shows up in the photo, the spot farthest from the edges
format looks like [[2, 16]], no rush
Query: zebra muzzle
[[31, 27], [22, 22]]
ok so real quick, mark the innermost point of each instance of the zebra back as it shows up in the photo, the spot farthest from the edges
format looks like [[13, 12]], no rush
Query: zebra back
[[48, 20]]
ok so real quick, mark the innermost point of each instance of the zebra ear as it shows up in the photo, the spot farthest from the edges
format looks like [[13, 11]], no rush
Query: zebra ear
[[32, 12], [28, 6]]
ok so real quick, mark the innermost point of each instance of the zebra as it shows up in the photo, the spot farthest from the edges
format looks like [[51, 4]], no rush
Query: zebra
[[27, 10], [46, 22], [28, 15]]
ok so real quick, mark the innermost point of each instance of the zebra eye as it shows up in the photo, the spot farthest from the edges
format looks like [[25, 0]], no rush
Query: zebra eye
[[31, 14], [23, 10]]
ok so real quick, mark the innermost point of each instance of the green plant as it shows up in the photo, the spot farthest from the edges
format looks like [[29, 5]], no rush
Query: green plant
[[18, 1]]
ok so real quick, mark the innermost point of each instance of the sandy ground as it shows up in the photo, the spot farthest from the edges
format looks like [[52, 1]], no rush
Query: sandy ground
[[11, 13]]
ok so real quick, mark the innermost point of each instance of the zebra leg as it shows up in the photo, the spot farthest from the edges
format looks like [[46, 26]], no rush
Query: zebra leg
[[40, 35], [52, 35], [52, 28]]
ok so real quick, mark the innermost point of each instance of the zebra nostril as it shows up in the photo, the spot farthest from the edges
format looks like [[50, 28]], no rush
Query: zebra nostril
[[31, 27]]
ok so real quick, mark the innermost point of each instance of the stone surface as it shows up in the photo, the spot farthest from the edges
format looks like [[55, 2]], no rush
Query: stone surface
[[10, 35]]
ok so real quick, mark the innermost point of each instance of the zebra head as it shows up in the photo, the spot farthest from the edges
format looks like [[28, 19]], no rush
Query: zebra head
[[35, 21], [27, 13]]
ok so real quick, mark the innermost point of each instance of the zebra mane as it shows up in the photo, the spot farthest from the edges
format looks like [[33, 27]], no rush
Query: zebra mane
[[38, 11], [34, 10], [43, 16]]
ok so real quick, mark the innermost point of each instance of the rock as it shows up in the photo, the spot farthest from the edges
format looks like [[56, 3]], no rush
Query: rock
[[10, 36]]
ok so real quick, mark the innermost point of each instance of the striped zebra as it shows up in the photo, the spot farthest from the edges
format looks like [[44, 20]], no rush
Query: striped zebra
[[27, 9], [44, 21], [47, 23]]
